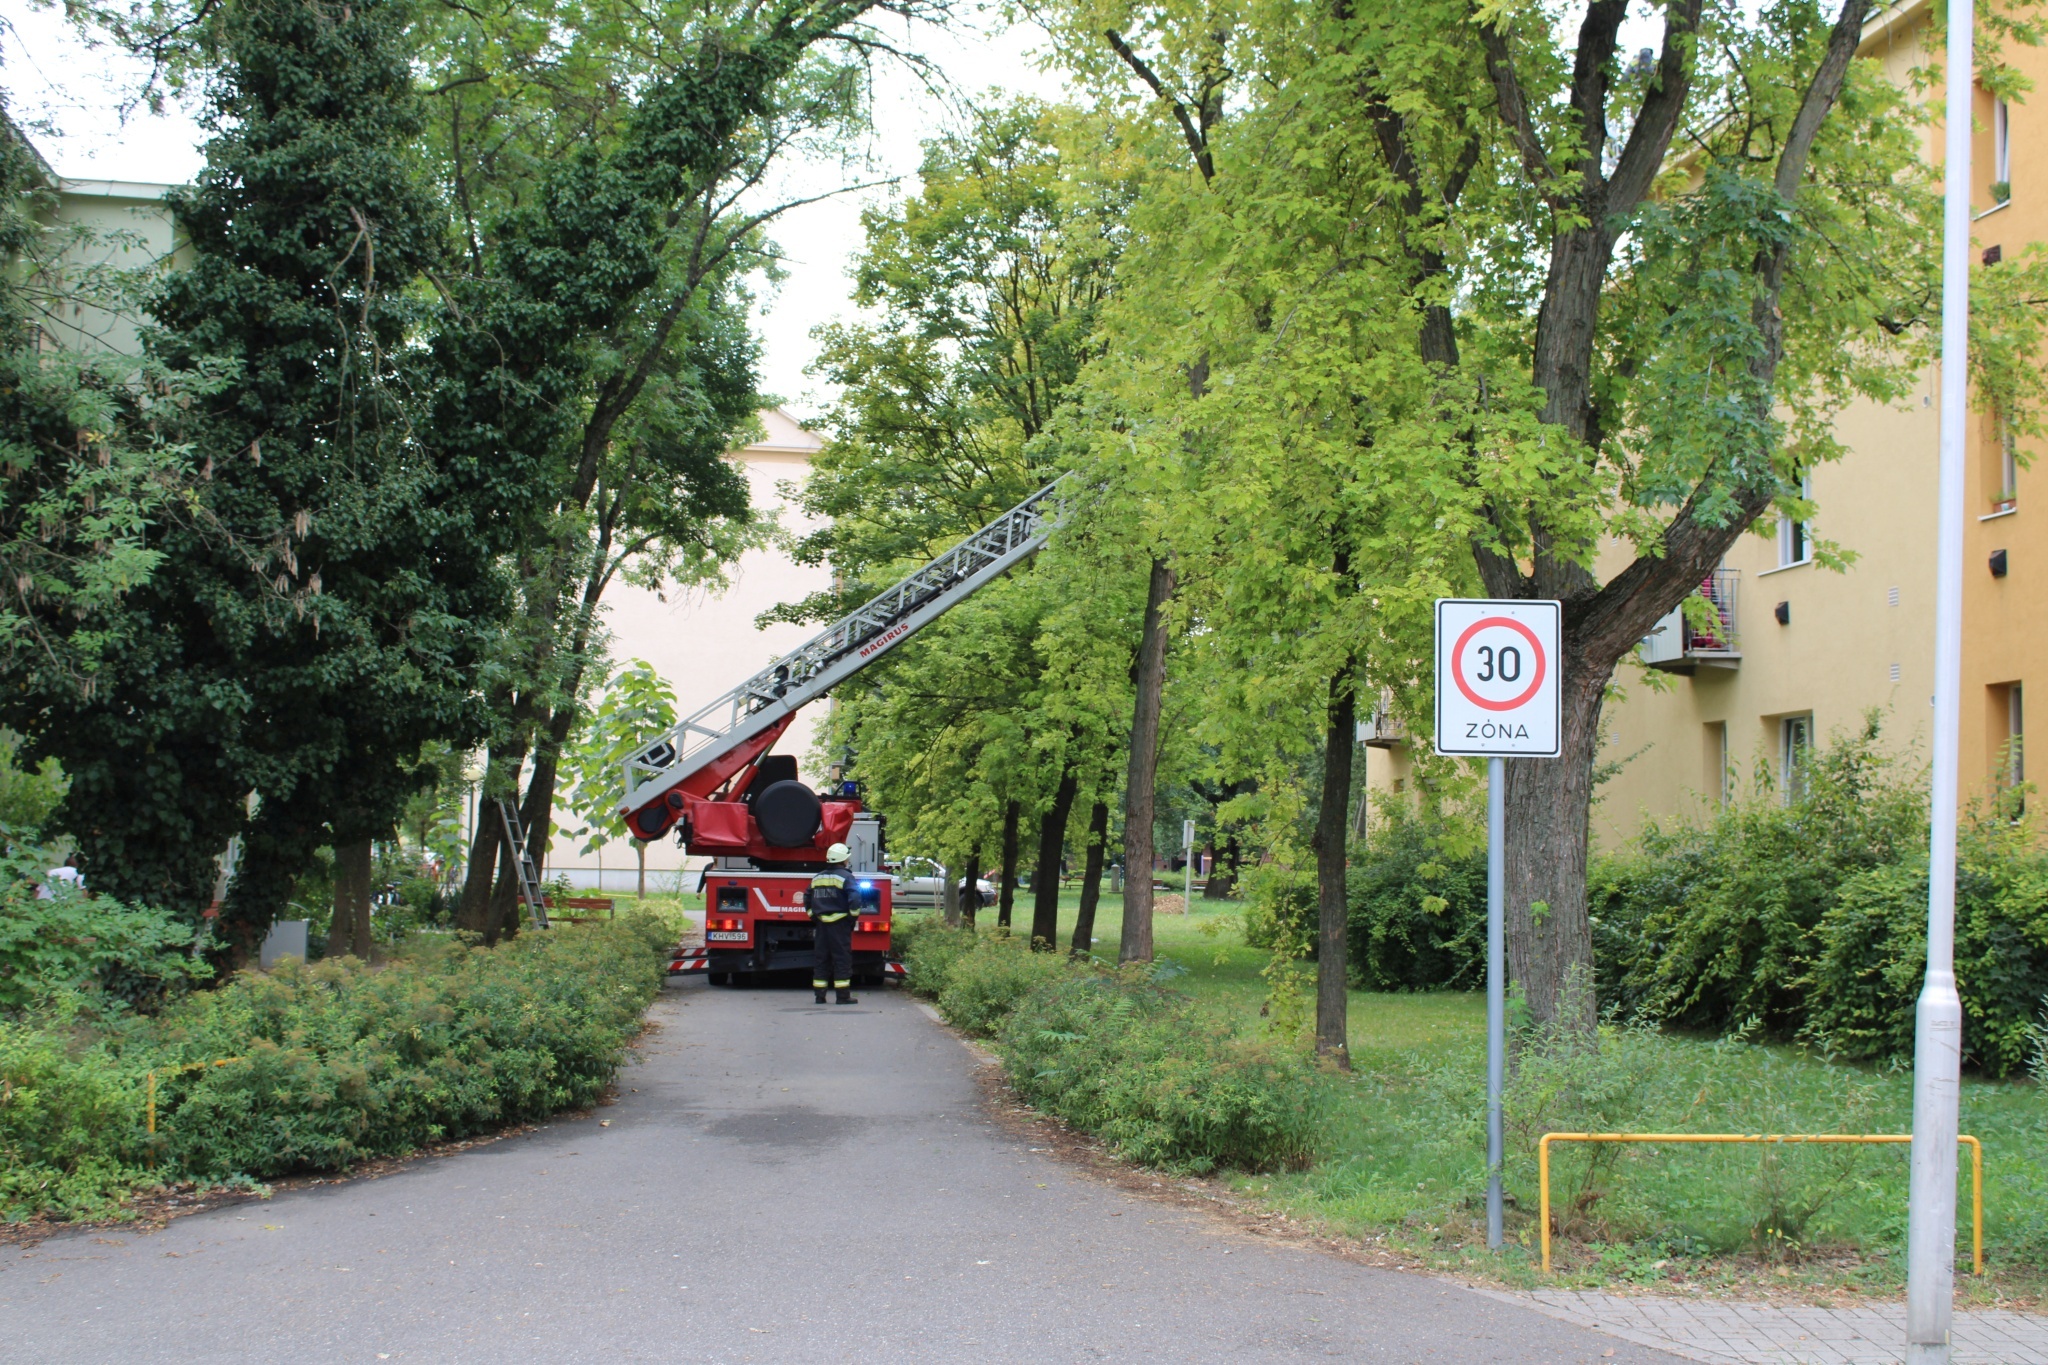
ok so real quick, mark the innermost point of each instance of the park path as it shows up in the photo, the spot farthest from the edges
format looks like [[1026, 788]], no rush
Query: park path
[[777, 1182]]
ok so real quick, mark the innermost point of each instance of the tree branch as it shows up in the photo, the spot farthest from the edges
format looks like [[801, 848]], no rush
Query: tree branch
[[1650, 140], [1514, 112], [1198, 142]]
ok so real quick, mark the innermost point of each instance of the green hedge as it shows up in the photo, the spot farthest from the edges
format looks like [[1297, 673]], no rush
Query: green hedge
[[1118, 1055], [337, 1062], [1418, 907], [1807, 918]]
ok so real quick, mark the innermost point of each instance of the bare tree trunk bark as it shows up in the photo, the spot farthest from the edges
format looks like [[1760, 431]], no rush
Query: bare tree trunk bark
[[1333, 908], [1142, 775], [1549, 801], [350, 931], [1091, 879], [1045, 882], [970, 895], [473, 911], [1006, 898], [950, 897]]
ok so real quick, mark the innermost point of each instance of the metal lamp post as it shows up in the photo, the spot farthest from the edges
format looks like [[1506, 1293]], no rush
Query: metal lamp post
[[1938, 1034]]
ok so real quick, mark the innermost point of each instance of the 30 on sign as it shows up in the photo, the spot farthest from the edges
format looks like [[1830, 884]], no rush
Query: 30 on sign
[[1496, 677]]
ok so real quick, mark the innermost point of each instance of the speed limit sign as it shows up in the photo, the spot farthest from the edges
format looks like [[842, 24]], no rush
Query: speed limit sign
[[1497, 689]]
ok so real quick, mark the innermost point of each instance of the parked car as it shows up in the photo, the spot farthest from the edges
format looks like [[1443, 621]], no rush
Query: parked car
[[918, 885]]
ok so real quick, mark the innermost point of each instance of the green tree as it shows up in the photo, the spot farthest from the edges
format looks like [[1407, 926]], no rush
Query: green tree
[[635, 703], [988, 283], [602, 159], [1467, 242], [85, 471], [306, 655]]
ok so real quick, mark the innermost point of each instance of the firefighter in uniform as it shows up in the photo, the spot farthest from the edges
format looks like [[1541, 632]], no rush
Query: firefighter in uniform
[[831, 901]]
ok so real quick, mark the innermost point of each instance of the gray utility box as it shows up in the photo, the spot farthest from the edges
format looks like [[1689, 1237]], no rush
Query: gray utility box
[[287, 938]]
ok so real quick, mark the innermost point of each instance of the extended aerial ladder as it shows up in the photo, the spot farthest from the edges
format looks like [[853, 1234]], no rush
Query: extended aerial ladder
[[722, 738], [765, 832]]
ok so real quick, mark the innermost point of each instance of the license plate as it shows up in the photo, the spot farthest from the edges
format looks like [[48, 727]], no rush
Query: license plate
[[726, 936]]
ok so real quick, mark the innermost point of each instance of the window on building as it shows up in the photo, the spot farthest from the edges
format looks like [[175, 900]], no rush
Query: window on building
[[1714, 753], [1794, 545], [1795, 751], [2015, 733], [2008, 466], [2001, 154]]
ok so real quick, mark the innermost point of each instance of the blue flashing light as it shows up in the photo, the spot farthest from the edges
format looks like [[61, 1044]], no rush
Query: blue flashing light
[[867, 886]]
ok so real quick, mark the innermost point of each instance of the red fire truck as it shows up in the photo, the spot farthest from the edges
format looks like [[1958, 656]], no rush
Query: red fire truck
[[713, 782]]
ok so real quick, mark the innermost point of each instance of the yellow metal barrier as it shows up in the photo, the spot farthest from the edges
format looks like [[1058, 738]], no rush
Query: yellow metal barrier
[[173, 1071], [1976, 1168]]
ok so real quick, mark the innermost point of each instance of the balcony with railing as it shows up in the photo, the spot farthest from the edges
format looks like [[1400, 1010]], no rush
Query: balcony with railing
[[1681, 646], [1383, 729]]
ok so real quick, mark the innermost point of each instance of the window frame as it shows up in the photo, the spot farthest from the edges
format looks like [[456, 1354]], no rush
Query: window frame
[[1795, 749]]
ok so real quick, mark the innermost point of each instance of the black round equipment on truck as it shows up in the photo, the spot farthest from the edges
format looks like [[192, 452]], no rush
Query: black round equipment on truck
[[788, 814]]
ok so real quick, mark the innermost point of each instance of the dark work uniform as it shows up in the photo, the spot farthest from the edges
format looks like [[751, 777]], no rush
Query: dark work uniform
[[831, 904]]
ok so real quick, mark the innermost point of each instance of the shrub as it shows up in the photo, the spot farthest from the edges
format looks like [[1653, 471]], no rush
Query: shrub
[[1809, 917], [1163, 1082], [1719, 927], [1872, 954], [341, 1061], [336, 1062], [1418, 907], [65, 1110], [984, 984], [96, 952], [1280, 913]]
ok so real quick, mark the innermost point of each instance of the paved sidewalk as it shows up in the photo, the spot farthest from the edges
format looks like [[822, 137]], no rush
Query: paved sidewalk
[[1725, 1333]]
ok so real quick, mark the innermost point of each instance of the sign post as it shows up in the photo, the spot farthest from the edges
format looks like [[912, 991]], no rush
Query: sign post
[[1187, 867], [1497, 697]]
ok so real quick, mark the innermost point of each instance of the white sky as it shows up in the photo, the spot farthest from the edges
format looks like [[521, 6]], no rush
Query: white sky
[[68, 97]]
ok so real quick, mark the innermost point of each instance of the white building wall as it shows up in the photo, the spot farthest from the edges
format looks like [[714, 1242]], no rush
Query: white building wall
[[704, 645]]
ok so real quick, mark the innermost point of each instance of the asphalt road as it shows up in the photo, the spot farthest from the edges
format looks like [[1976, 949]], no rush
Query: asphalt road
[[778, 1182]]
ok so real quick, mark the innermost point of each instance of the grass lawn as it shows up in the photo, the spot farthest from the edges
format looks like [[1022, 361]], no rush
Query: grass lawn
[[1404, 1158]]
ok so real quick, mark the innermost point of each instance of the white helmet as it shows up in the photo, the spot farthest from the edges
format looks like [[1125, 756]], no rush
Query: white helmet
[[838, 853]]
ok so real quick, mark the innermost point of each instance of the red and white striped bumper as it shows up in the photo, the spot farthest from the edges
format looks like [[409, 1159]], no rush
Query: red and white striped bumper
[[689, 960]]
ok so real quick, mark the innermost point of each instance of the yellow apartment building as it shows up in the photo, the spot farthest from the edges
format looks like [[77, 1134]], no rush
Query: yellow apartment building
[[1802, 651]]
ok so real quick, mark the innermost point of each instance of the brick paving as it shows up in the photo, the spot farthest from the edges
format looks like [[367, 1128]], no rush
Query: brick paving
[[1725, 1333]]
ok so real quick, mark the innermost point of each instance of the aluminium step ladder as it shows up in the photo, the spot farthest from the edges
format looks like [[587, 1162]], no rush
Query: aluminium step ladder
[[522, 863]]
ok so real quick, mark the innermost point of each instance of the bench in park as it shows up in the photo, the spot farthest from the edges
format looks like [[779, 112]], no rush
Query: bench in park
[[594, 904]]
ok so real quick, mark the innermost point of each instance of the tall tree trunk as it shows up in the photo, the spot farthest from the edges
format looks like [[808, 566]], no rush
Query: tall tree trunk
[[949, 897], [1052, 847], [1332, 903], [1143, 772], [1549, 803], [350, 930], [1006, 897], [970, 897], [1222, 885], [504, 897], [474, 912], [1091, 879]]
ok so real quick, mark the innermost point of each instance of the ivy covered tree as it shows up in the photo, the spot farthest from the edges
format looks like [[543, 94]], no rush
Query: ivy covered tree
[[297, 647]]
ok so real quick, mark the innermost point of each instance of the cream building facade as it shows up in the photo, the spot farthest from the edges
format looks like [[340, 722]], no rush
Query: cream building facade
[[1803, 652], [704, 644]]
